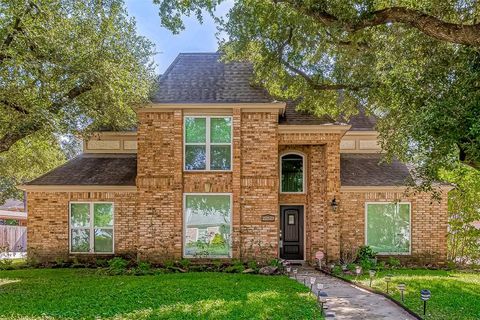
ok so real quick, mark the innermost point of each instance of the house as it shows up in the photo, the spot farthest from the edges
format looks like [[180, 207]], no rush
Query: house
[[218, 169], [12, 212]]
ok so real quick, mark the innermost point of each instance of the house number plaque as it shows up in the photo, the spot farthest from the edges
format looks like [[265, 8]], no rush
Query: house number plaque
[[268, 218]]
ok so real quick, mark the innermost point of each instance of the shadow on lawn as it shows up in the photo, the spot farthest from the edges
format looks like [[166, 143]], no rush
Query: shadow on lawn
[[76, 294]]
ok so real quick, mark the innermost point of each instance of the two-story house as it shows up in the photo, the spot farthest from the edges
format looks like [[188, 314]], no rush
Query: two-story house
[[218, 169]]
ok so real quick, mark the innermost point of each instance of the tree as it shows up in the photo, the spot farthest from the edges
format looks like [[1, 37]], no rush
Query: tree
[[66, 67], [415, 65]]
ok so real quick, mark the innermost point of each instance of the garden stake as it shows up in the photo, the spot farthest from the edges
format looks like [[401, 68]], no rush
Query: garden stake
[[401, 287], [425, 296]]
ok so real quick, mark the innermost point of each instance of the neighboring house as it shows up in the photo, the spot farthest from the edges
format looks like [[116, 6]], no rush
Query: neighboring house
[[12, 212], [217, 168]]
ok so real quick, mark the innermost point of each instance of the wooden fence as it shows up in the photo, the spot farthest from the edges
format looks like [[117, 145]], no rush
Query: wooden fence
[[13, 238]]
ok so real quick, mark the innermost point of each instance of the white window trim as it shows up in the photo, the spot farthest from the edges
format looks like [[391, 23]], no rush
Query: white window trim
[[304, 169], [91, 228], [207, 143], [409, 224], [184, 231]]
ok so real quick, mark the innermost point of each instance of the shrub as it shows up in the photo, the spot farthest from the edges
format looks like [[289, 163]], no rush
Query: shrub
[[337, 270], [117, 266], [143, 268], [275, 263], [184, 264], [252, 264], [236, 267], [393, 262], [6, 264], [366, 253]]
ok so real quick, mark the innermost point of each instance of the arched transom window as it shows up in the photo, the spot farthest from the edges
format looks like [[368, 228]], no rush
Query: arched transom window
[[292, 173]]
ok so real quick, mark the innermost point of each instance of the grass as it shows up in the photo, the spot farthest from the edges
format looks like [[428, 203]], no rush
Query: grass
[[454, 295], [84, 294]]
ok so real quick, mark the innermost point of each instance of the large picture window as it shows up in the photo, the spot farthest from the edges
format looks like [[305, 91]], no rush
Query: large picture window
[[292, 173], [388, 227], [208, 143], [91, 227], [207, 231]]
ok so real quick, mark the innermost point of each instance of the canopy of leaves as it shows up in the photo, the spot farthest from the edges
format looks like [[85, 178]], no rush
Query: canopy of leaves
[[66, 67], [414, 64]]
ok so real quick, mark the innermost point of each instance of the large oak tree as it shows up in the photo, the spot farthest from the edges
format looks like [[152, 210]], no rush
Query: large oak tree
[[66, 67], [414, 64]]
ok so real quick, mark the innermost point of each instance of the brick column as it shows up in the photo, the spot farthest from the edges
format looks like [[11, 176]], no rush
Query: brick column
[[332, 191], [236, 183]]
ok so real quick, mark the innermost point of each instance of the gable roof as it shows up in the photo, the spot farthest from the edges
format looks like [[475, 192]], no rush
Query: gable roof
[[366, 170], [203, 78], [93, 169]]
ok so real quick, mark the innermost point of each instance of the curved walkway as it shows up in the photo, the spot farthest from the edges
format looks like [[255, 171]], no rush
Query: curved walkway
[[347, 301]]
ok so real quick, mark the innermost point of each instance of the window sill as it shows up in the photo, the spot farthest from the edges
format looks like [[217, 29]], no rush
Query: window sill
[[207, 171]]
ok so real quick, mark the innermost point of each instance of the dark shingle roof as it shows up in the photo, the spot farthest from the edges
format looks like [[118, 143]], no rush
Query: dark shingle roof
[[93, 169], [362, 122], [203, 78], [294, 117], [364, 170]]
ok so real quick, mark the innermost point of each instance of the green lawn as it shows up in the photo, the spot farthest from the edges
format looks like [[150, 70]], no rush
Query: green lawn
[[81, 293], [455, 295]]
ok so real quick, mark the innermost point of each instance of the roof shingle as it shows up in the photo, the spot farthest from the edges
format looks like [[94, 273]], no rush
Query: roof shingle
[[93, 169], [366, 170]]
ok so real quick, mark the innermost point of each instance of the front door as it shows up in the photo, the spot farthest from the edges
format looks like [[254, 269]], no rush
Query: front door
[[291, 232]]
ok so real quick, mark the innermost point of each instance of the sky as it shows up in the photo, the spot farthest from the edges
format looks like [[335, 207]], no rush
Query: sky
[[195, 38]]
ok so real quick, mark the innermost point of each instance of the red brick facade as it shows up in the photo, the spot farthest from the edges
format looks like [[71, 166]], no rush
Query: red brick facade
[[149, 221]]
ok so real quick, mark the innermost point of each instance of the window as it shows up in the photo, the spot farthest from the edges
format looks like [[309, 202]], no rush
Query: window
[[208, 143], [207, 219], [388, 227], [91, 227], [292, 173]]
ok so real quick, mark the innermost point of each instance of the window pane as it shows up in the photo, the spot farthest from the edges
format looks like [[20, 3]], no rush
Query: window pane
[[103, 240], [103, 214], [80, 240], [220, 130], [292, 173], [388, 227], [195, 130], [207, 231], [220, 157], [79, 214], [195, 158]]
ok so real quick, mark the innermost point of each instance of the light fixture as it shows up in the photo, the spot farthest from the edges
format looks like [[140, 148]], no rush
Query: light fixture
[[322, 298], [312, 282], [371, 273], [388, 279], [358, 270], [208, 186], [401, 287], [334, 204], [425, 296], [295, 271]]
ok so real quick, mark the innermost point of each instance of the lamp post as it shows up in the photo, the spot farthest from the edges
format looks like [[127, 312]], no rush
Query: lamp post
[[312, 282], [322, 299], [295, 271], [388, 279], [401, 287], [371, 273], [358, 270], [425, 296], [319, 287]]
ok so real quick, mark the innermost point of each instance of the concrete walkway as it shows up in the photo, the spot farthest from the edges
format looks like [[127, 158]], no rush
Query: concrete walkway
[[346, 301]]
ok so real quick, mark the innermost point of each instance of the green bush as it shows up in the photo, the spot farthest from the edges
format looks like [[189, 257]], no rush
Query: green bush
[[117, 266], [394, 262], [252, 264], [184, 264], [6, 264], [143, 268], [366, 253], [236, 267]]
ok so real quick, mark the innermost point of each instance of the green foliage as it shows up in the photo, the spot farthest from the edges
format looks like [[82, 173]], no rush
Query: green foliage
[[454, 294], [366, 253], [66, 68], [218, 240], [117, 266], [84, 294], [275, 263], [464, 210], [143, 268], [422, 86], [337, 270], [252, 264], [236, 267], [185, 264], [6, 264], [394, 262]]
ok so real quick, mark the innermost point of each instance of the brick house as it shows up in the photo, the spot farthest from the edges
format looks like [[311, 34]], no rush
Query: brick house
[[218, 169]]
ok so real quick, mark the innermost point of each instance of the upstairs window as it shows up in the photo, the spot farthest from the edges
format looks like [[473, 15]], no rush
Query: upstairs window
[[292, 173], [91, 227], [208, 143]]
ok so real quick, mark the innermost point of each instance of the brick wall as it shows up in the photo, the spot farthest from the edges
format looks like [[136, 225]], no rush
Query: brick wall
[[429, 221], [48, 230], [259, 184]]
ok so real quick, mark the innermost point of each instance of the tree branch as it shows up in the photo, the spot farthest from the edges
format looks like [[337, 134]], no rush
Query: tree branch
[[315, 85], [14, 106], [11, 137], [466, 34], [16, 28]]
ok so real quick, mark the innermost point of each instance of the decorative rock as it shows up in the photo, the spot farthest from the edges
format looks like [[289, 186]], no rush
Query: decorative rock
[[268, 270], [249, 270]]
